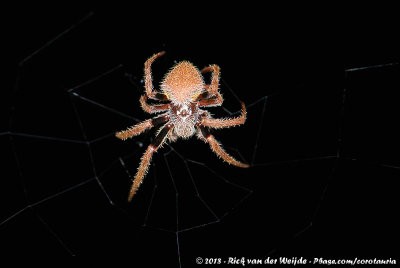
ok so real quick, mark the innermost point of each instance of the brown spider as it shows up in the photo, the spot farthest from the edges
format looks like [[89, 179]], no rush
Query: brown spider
[[183, 86]]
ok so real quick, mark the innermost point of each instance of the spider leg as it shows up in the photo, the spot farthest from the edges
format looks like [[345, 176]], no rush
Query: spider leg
[[212, 101], [213, 87], [211, 97], [225, 122], [139, 128], [148, 78], [217, 148], [145, 161], [152, 108]]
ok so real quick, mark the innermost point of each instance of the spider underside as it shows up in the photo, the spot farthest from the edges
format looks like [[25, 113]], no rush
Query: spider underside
[[184, 89]]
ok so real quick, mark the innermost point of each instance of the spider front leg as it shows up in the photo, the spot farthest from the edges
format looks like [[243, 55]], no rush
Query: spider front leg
[[225, 122], [217, 148], [146, 158], [139, 128]]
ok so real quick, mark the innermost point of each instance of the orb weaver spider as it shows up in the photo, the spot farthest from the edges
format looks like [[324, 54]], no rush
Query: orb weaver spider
[[185, 90]]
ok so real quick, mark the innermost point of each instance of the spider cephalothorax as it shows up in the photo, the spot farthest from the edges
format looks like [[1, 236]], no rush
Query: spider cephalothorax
[[185, 90], [184, 118]]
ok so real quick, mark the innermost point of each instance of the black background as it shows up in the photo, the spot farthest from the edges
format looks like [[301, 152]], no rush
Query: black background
[[323, 181]]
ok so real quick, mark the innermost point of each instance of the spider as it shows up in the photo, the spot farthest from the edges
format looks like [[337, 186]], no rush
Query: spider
[[185, 91]]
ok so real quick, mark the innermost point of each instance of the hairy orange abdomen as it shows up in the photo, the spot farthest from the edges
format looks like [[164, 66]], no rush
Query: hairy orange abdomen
[[183, 83]]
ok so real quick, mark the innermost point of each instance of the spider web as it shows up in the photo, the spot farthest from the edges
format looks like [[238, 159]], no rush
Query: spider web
[[317, 150]]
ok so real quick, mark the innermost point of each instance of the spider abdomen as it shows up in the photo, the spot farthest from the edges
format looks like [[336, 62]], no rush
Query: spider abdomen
[[183, 82]]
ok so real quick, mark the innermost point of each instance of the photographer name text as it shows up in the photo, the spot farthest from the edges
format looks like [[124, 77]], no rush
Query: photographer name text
[[243, 261]]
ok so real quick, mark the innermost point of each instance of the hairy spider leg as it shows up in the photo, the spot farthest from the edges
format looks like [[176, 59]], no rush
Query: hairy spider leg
[[213, 87], [146, 158], [148, 78], [225, 122], [151, 109], [211, 97], [139, 128], [217, 148]]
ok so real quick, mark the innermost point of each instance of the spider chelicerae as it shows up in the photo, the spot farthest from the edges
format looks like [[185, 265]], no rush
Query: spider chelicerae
[[185, 90]]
